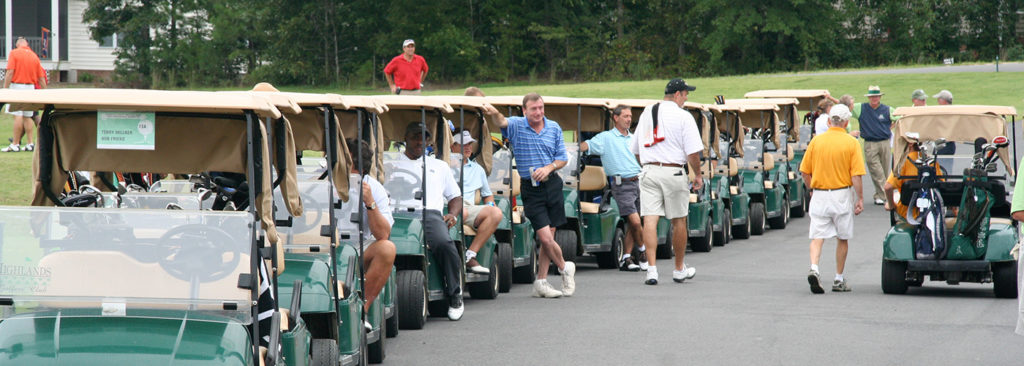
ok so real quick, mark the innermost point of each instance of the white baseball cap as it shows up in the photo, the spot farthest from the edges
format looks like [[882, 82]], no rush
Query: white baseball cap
[[408, 42], [841, 111], [464, 138]]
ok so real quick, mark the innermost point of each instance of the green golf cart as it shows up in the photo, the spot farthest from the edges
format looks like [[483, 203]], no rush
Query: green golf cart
[[169, 286], [972, 241]]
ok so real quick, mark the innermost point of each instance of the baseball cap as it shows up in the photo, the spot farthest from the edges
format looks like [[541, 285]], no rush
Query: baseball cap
[[919, 94], [841, 111], [408, 42], [464, 138], [416, 127], [944, 94], [678, 84]]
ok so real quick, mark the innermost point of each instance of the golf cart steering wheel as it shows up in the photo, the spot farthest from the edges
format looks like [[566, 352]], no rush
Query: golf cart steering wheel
[[197, 251], [403, 177], [303, 224]]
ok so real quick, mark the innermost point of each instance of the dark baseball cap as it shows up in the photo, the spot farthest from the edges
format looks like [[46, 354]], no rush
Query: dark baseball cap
[[416, 127], [678, 84]]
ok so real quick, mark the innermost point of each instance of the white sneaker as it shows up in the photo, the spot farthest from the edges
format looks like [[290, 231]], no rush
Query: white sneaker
[[367, 326], [569, 279], [644, 266], [30, 147], [456, 307], [11, 148], [685, 274], [541, 288], [879, 201], [652, 276]]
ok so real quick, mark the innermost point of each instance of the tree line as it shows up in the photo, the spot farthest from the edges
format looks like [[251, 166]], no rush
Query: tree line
[[193, 43]]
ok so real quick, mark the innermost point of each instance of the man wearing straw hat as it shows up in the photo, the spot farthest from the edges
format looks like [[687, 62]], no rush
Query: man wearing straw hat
[[875, 120]]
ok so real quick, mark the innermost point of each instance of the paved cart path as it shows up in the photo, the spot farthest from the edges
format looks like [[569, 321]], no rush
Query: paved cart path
[[991, 67], [749, 304]]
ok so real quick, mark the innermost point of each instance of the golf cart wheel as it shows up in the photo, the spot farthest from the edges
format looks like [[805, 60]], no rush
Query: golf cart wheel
[[527, 273], [487, 290], [412, 299], [610, 259], [505, 267], [665, 250], [1004, 279], [439, 308], [894, 277], [801, 209], [720, 237], [727, 225], [391, 324], [742, 231], [757, 214], [702, 243], [566, 240], [779, 223], [375, 352], [324, 352]]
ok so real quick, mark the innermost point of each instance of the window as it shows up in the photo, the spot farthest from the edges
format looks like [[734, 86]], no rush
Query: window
[[109, 41]]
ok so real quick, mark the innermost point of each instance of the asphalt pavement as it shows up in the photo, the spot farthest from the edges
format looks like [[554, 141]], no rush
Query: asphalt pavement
[[749, 304], [989, 67]]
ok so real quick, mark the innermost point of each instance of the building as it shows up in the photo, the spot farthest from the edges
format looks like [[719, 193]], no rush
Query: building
[[55, 31]]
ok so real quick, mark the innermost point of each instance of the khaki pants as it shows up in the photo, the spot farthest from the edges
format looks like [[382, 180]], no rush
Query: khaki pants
[[878, 157]]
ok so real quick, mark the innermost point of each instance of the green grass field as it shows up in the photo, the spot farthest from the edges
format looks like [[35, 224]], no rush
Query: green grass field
[[968, 88]]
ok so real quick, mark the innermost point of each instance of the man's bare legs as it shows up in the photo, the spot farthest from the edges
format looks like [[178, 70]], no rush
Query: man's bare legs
[[486, 223], [634, 233], [19, 129], [842, 246], [549, 252], [650, 235], [377, 259], [680, 234]]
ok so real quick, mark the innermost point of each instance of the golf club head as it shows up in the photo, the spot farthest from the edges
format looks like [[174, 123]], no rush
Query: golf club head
[[135, 188], [173, 206]]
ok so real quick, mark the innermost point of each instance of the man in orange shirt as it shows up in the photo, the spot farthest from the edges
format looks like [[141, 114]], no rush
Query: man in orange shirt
[[832, 165], [405, 72], [23, 72]]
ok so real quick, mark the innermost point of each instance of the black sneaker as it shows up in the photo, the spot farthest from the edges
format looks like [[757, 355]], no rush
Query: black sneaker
[[629, 265]]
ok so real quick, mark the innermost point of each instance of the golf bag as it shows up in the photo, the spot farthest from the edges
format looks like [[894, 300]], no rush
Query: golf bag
[[930, 238]]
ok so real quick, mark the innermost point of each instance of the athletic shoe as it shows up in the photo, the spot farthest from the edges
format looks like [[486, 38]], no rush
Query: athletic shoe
[[30, 147], [541, 288], [11, 148], [652, 276], [628, 265], [455, 307], [685, 274], [812, 278], [642, 258], [879, 201], [569, 279], [474, 267], [840, 286], [367, 326]]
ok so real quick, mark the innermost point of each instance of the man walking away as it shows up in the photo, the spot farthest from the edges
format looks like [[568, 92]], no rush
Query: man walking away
[[24, 71], [831, 166], [666, 138]]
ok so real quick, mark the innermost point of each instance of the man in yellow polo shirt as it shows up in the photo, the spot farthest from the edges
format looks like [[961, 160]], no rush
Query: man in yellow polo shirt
[[832, 165]]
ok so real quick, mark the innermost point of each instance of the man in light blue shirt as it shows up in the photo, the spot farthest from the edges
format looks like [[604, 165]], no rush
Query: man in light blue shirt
[[484, 218], [623, 171]]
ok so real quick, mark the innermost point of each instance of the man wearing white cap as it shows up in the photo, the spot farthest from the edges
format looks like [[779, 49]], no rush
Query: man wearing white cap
[[832, 165], [875, 122], [484, 218], [405, 72], [944, 97]]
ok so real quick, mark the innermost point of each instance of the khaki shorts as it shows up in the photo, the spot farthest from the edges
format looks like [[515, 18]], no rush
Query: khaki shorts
[[664, 191], [471, 213], [831, 214]]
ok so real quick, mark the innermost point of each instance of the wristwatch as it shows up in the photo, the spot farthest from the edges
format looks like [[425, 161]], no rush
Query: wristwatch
[[372, 206]]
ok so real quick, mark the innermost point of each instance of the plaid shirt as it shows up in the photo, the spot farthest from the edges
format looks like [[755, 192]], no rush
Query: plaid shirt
[[533, 150]]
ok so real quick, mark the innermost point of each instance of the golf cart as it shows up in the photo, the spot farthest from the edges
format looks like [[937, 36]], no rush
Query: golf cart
[[761, 181], [420, 279], [467, 115], [808, 101], [707, 208], [971, 242], [307, 214], [168, 286], [786, 170]]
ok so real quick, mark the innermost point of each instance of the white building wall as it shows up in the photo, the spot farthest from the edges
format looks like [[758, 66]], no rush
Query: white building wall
[[83, 52]]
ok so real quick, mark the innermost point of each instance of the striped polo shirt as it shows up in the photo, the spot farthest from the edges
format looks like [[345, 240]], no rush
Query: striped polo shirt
[[532, 149]]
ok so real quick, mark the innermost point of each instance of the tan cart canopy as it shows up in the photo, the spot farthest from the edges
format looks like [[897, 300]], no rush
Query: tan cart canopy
[[590, 113], [808, 98], [468, 111], [997, 110], [139, 100], [959, 127], [786, 115], [403, 110], [750, 115]]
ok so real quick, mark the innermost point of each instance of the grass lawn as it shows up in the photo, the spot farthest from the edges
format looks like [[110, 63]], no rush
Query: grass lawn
[[968, 88]]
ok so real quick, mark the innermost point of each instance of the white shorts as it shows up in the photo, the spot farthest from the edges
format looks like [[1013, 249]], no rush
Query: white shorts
[[664, 191], [472, 212], [7, 108], [832, 214]]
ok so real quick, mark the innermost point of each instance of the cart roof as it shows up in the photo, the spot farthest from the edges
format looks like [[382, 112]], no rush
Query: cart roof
[[474, 121], [960, 127], [137, 99], [809, 98], [956, 110], [371, 104], [412, 102], [776, 101]]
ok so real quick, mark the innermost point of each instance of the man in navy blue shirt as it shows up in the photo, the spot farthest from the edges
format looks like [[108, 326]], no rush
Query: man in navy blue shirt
[[875, 120], [539, 148]]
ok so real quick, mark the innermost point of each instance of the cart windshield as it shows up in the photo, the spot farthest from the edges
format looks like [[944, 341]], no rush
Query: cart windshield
[[113, 262], [158, 201], [569, 171]]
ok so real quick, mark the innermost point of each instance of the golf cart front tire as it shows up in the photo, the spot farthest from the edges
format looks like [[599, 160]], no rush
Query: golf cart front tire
[[1004, 279], [412, 299], [527, 273], [506, 265], [487, 290], [894, 277], [779, 223], [324, 352], [702, 244], [610, 259], [375, 352], [757, 214], [567, 240]]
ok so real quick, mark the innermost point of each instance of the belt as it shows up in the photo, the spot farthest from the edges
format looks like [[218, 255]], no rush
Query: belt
[[630, 179], [665, 164], [833, 189]]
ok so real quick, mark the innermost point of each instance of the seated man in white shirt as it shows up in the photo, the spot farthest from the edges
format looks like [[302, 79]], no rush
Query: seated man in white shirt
[[379, 252], [484, 218], [442, 189]]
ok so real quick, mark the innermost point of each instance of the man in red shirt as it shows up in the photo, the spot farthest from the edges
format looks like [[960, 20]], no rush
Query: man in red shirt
[[23, 72], [405, 72]]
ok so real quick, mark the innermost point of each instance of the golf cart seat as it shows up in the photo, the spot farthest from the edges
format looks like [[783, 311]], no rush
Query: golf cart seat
[[769, 162], [468, 230], [782, 158], [729, 170], [1000, 220], [592, 179], [517, 211]]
